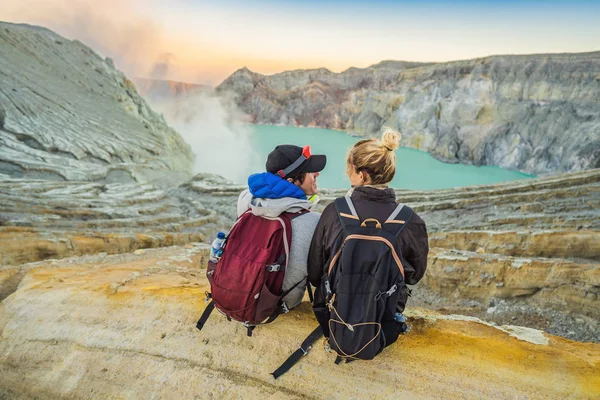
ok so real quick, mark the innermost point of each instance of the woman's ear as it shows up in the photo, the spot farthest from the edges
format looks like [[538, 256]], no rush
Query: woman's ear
[[365, 178]]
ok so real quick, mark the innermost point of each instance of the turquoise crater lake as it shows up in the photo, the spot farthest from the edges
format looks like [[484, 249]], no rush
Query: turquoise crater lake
[[415, 169]]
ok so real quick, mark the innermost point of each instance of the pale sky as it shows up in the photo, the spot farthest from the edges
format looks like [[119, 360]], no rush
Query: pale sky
[[204, 41]]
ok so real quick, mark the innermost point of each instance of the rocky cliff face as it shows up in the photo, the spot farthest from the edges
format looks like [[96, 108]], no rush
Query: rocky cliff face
[[68, 114], [537, 114]]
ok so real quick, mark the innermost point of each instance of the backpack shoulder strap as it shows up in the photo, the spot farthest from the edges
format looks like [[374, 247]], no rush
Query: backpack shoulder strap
[[207, 311], [398, 219], [298, 214], [298, 354], [346, 212]]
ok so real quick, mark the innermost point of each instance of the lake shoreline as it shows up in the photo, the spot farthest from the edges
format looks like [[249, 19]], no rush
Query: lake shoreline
[[416, 169], [355, 135]]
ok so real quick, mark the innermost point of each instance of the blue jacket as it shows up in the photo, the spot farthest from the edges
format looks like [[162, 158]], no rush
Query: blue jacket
[[266, 185]]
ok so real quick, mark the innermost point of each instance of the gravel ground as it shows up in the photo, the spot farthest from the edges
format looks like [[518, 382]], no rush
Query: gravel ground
[[512, 312]]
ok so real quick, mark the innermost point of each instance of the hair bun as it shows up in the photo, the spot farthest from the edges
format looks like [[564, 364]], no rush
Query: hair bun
[[390, 139]]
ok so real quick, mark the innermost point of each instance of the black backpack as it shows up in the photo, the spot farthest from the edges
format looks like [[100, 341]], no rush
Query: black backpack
[[362, 286]]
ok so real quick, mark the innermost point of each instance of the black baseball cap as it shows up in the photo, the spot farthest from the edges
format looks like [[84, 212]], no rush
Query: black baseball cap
[[286, 160]]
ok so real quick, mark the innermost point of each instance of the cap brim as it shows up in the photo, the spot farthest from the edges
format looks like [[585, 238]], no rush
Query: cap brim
[[316, 163]]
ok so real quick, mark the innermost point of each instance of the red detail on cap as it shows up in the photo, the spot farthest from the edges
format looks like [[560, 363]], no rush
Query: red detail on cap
[[280, 173], [306, 152]]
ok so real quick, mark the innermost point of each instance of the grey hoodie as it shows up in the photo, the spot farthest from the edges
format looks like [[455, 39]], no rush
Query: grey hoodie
[[303, 228]]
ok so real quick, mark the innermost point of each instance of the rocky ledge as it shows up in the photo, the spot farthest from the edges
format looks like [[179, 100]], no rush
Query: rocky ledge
[[124, 325], [533, 113], [42, 219], [523, 252], [68, 114]]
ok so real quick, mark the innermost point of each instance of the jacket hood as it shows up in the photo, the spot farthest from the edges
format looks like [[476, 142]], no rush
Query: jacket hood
[[266, 185], [271, 207]]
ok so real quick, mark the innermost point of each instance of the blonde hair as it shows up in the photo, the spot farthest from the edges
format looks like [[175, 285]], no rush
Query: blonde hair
[[376, 156]]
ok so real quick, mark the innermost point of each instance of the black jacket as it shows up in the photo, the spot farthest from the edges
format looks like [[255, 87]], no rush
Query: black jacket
[[369, 203]]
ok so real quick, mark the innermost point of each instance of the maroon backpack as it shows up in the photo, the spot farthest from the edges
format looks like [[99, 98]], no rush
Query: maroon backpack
[[246, 283]]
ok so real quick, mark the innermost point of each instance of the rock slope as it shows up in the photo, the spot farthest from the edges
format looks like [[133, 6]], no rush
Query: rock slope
[[124, 326], [534, 113], [68, 114]]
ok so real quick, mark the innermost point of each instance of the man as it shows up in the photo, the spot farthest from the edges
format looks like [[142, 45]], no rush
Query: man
[[290, 179]]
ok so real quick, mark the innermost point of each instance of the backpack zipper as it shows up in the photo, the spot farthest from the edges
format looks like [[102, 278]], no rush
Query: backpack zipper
[[365, 237]]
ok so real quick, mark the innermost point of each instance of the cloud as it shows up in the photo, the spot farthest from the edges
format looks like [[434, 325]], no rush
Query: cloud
[[140, 46], [134, 34], [116, 29], [160, 69]]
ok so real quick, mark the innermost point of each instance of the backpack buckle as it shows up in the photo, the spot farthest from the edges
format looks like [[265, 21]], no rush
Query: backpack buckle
[[273, 268], [327, 288], [249, 328], [284, 308], [207, 297], [392, 290]]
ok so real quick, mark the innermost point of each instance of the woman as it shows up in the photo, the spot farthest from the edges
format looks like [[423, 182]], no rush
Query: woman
[[371, 165]]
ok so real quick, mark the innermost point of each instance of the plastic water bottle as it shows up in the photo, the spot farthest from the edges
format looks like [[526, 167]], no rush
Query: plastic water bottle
[[216, 249], [400, 317]]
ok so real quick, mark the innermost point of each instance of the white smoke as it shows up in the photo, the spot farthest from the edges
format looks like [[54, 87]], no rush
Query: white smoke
[[215, 129], [121, 30]]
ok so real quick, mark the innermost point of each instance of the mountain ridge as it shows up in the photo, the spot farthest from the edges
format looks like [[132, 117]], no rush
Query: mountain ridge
[[417, 64], [532, 113]]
